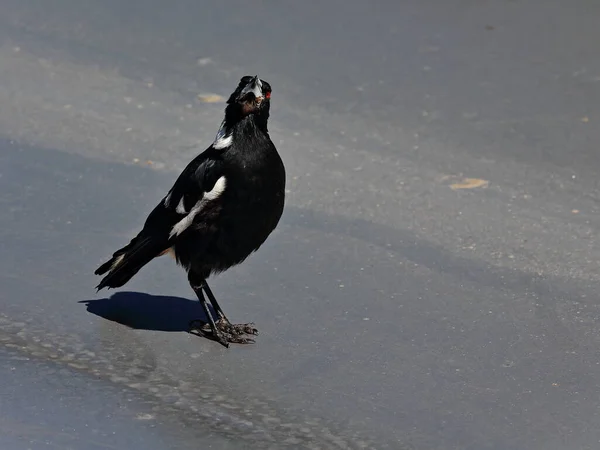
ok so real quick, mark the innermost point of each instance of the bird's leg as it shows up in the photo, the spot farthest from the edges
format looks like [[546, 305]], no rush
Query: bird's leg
[[213, 327], [213, 301], [223, 322], [220, 330]]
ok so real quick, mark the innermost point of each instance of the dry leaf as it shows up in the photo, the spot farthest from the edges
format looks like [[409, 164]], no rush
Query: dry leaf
[[470, 183], [210, 98], [585, 119]]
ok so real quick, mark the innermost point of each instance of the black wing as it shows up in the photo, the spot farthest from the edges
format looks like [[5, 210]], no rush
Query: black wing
[[170, 217]]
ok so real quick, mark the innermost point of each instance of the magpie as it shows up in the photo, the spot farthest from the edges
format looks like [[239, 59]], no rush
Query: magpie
[[221, 209]]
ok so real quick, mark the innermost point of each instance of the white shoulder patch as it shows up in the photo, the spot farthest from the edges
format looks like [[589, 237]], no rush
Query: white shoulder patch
[[222, 140], [217, 189], [213, 194]]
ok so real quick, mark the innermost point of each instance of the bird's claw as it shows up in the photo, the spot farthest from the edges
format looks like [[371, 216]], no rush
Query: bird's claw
[[226, 331], [237, 328]]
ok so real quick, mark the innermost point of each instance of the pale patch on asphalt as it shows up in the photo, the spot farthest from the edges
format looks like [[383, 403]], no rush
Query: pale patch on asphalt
[[470, 183]]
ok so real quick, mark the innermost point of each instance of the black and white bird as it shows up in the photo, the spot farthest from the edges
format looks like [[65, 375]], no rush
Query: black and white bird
[[221, 209]]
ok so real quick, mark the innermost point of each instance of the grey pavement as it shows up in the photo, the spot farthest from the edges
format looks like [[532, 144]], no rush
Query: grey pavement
[[433, 283]]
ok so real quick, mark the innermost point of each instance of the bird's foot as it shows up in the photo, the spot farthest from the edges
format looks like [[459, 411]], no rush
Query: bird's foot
[[236, 328], [227, 332]]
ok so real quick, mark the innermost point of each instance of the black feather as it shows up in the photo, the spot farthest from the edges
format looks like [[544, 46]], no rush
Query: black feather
[[141, 251]]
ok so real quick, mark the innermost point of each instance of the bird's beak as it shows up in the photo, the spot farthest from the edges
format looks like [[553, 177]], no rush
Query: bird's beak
[[255, 86]]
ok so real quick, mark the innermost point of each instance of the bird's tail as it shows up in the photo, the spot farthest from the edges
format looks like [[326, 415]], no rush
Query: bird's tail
[[127, 261]]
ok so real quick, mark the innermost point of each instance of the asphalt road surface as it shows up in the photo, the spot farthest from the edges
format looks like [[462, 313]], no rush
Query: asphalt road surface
[[433, 283]]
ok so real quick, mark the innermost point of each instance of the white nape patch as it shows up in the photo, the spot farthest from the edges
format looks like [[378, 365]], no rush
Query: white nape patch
[[213, 194], [180, 207], [118, 261], [222, 140]]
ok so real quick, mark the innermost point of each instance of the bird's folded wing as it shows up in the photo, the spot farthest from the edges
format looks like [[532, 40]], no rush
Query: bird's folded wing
[[200, 183]]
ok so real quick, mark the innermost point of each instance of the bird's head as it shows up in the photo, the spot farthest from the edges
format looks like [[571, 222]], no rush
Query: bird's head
[[252, 96]]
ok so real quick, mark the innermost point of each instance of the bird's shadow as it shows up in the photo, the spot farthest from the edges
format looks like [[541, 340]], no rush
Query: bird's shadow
[[147, 312]]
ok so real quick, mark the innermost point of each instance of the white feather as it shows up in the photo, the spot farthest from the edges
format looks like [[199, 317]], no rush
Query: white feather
[[117, 261], [180, 207], [222, 140], [213, 194]]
